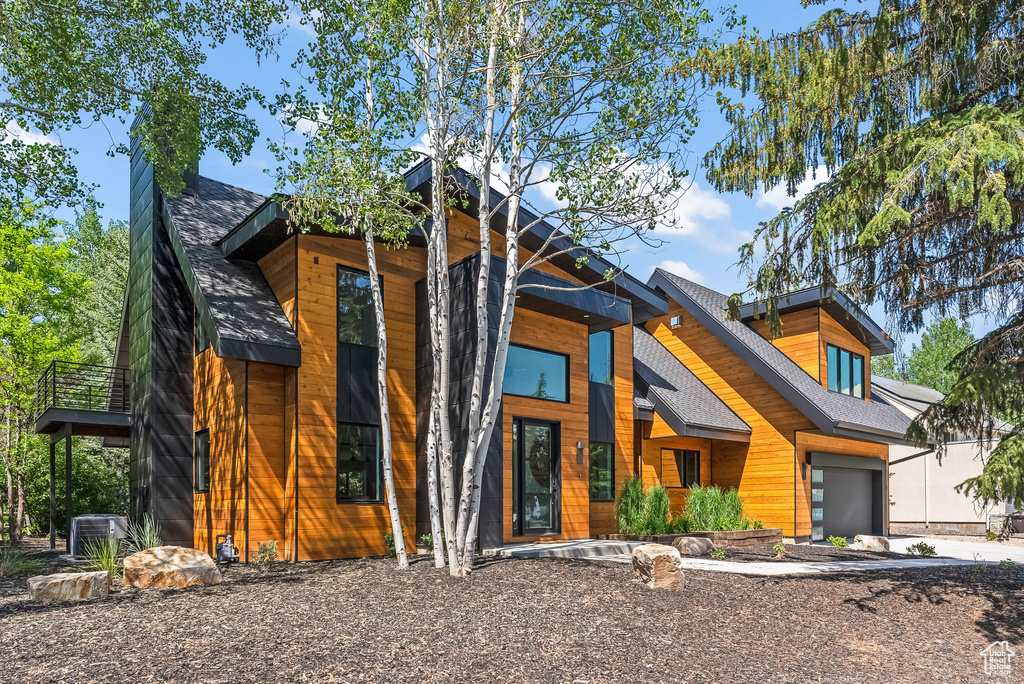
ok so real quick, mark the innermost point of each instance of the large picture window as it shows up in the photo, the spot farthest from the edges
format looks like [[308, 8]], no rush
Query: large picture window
[[601, 357], [602, 472], [357, 321], [683, 464], [845, 371], [359, 463], [201, 461], [538, 374]]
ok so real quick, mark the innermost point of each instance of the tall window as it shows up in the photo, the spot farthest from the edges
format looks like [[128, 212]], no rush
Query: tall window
[[845, 371], [687, 468], [601, 357], [201, 461], [602, 472], [357, 320], [359, 463], [538, 374]]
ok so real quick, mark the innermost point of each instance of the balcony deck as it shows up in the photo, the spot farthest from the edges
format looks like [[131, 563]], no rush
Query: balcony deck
[[92, 400]]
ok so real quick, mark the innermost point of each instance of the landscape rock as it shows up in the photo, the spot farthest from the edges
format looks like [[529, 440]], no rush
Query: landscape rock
[[69, 586], [867, 542], [170, 566], [658, 566], [694, 546]]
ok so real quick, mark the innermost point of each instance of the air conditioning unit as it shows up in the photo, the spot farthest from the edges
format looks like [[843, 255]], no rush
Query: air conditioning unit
[[95, 527]]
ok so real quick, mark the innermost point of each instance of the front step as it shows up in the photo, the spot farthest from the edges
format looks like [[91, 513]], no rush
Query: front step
[[580, 548]]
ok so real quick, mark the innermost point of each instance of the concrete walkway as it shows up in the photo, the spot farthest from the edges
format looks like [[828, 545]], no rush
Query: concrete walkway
[[949, 552]]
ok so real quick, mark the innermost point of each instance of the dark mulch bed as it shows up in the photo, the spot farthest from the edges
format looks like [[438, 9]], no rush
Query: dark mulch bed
[[805, 553], [520, 620]]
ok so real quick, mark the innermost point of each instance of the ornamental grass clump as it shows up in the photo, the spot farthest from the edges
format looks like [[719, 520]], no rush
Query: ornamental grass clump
[[143, 534], [14, 563], [630, 516], [656, 513], [711, 509], [103, 555]]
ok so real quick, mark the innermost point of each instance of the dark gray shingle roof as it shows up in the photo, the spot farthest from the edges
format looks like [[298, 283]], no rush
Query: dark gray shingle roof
[[679, 397], [246, 318], [834, 413]]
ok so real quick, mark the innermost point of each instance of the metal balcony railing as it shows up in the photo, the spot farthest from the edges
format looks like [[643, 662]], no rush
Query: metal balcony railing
[[83, 387]]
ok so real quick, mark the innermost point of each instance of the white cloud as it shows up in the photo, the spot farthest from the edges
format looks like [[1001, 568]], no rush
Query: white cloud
[[304, 126], [679, 268], [778, 199], [704, 217], [295, 21], [14, 130]]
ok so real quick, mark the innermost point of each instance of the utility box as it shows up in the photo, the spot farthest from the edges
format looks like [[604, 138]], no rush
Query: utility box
[[94, 528]]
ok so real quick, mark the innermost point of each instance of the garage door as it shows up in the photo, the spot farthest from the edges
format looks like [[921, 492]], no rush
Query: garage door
[[841, 502]]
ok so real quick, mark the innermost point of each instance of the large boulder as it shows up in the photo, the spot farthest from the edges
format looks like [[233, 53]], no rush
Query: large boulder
[[693, 546], [69, 586], [170, 566], [867, 542], [658, 566]]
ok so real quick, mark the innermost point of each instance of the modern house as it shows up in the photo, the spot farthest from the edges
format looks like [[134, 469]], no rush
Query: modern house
[[922, 491], [250, 401], [789, 422]]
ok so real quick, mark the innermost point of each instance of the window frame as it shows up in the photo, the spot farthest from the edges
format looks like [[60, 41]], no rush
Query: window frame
[[851, 358], [611, 471], [568, 383], [337, 304], [682, 458], [611, 358], [339, 499], [195, 461]]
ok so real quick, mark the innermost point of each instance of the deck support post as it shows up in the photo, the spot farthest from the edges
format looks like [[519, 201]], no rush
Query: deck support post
[[69, 510], [53, 495]]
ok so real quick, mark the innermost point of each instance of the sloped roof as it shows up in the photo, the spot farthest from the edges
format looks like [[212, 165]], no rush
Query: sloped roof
[[238, 309], [917, 398], [833, 413], [678, 396]]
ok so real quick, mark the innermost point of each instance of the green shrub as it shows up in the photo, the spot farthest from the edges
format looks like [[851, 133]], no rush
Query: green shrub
[[389, 541], [656, 505], [756, 525], [838, 542], [143, 534], [718, 554], [103, 555], [712, 509], [679, 524], [14, 563], [991, 536], [1007, 564], [266, 552], [630, 507], [921, 549]]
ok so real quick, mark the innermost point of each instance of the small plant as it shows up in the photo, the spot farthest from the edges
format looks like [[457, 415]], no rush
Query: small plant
[[428, 541], [838, 542], [13, 563], [143, 534], [991, 536], [756, 525], [921, 549], [980, 567], [1007, 564], [389, 541], [102, 556], [780, 551], [265, 553], [718, 554], [679, 524]]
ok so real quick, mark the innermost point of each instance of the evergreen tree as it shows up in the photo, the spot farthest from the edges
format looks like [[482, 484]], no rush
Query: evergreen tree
[[914, 109]]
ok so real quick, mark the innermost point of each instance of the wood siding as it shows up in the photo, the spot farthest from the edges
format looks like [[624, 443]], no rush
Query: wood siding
[[799, 340]]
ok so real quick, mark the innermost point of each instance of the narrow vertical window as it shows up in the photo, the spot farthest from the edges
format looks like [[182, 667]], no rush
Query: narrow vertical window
[[601, 357], [357, 319], [833, 368], [688, 465], [844, 371], [858, 376], [201, 461], [602, 472], [359, 464]]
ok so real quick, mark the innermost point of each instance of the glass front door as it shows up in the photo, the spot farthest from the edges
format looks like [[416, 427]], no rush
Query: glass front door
[[536, 504]]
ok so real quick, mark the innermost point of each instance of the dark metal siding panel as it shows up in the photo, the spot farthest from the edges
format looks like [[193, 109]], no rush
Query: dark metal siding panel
[[424, 369], [601, 411], [160, 358]]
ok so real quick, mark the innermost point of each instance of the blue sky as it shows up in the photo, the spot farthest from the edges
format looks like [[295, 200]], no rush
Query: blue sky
[[710, 225]]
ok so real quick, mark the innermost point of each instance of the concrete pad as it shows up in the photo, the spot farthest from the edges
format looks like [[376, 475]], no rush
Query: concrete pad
[[992, 552]]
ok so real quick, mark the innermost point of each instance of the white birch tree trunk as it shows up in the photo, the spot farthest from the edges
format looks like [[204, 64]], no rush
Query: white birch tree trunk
[[510, 286], [470, 479], [433, 496], [385, 411]]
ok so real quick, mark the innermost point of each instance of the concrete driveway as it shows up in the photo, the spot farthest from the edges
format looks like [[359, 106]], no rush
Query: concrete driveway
[[963, 550]]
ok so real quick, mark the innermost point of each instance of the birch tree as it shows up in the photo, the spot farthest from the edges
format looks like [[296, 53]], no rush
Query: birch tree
[[346, 177], [582, 97]]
